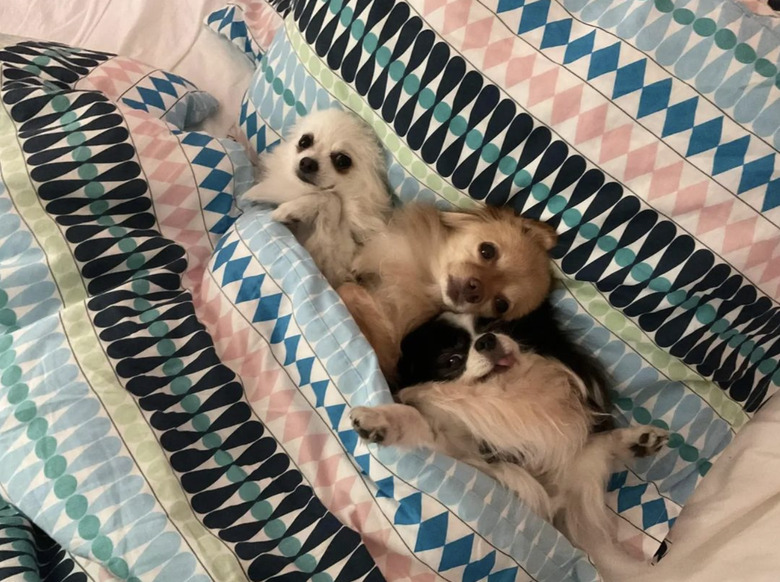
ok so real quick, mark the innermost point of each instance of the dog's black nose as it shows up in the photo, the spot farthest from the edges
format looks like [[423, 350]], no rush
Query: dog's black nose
[[472, 291], [308, 165], [486, 343]]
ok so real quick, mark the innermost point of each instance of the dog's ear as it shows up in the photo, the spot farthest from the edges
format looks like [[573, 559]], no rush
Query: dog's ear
[[542, 232], [457, 219]]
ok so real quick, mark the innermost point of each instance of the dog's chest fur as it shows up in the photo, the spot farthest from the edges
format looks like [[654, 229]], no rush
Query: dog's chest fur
[[530, 412]]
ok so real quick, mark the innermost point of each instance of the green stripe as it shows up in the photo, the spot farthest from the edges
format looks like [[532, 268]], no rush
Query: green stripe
[[597, 307], [139, 439]]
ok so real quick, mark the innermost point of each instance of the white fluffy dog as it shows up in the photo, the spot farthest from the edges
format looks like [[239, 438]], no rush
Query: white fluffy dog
[[330, 181]]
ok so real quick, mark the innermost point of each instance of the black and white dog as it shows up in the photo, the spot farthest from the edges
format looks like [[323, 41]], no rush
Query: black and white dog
[[439, 350], [521, 402]]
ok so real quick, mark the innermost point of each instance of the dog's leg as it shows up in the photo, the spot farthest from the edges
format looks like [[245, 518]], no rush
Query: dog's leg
[[523, 484], [329, 240], [580, 500], [636, 441], [392, 424], [304, 209], [374, 324]]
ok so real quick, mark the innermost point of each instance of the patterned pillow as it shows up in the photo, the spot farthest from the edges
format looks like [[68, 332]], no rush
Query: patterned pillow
[[647, 133], [121, 79]]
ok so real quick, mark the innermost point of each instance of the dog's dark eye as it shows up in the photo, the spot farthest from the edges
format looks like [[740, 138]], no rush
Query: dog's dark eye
[[501, 304], [454, 361], [341, 162], [305, 142], [488, 251]]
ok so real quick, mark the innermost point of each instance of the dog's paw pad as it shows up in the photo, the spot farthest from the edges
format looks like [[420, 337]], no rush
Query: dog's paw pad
[[649, 441], [369, 424]]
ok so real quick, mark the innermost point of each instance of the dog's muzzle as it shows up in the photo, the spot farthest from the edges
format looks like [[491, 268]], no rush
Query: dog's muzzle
[[307, 169], [468, 291], [489, 346]]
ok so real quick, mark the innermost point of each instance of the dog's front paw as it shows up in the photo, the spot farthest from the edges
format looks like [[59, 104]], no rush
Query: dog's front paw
[[371, 424], [644, 441], [285, 215]]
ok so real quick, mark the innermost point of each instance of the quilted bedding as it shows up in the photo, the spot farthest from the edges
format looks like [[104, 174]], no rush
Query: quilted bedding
[[175, 378]]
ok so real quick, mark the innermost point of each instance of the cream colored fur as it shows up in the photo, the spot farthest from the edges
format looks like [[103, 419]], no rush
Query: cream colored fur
[[407, 269], [337, 213], [534, 411]]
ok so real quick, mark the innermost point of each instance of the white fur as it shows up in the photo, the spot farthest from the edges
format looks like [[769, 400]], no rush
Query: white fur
[[333, 216], [534, 411]]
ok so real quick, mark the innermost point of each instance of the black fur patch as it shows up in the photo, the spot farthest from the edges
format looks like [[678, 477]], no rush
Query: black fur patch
[[426, 351]]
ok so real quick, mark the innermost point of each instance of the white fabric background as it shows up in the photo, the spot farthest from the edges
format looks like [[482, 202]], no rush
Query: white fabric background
[[168, 34], [729, 530]]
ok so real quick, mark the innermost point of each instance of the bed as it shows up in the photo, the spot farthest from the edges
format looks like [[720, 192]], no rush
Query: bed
[[676, 102]]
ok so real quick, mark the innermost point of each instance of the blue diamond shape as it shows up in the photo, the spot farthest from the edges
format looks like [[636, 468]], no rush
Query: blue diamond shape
[[216, 15], [409, 510], [208, 157], [220, 243], [197, 139], [757, 173], [655, 97], [556, 33], [705, 136], [680, 117], [133, 104], [280, 329], [234, 270], [457, 553], [508, 575], [629, 78], [223, 224], [579, 48], [653, 513], [304, 370], [630, 496], [349, 439], [237, 30], [432, 533], [177, 80], [319, 388], [250, 288], [268, 308], [163, 86], [291, 349], [505, 5], [224, 255], [363, 462], [216, 180], [604, 61], [772, 196], [617, 480], [221, 203], [151, 97], [479, 569], [385, 487], [334, 414], [534, 16], [730, 155]]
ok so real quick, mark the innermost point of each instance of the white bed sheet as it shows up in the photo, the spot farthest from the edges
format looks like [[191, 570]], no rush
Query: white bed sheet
[[729, 529], [168, 34]]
